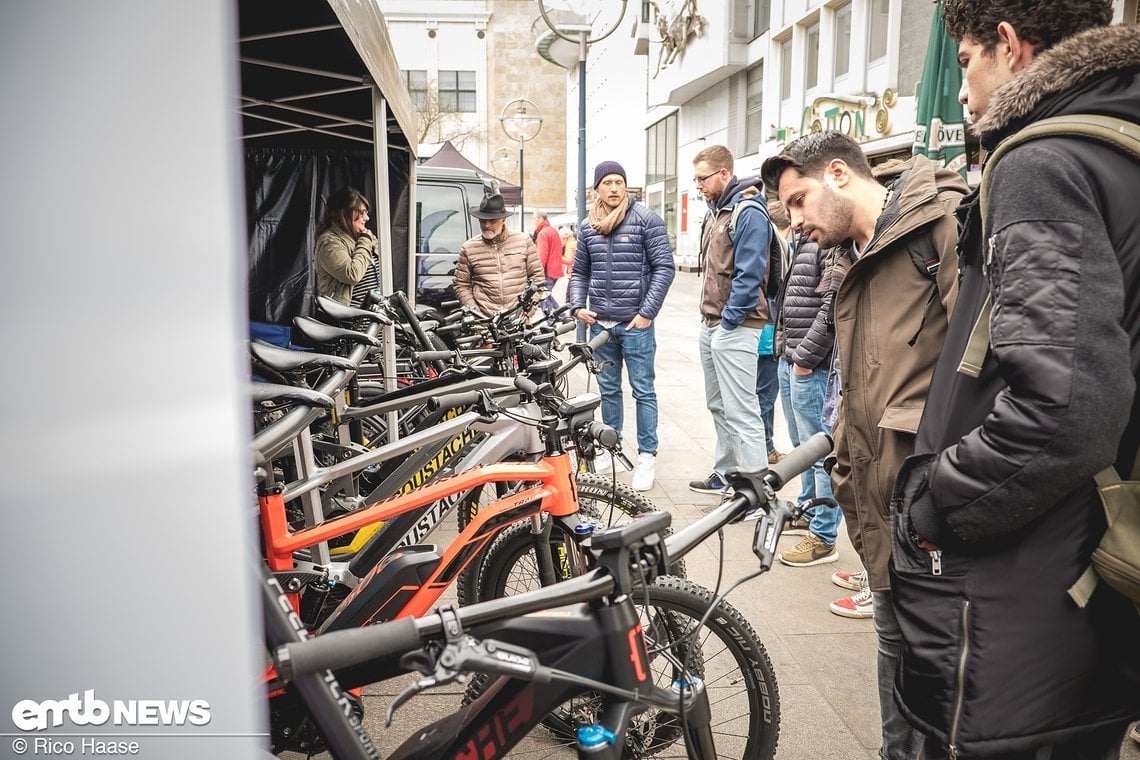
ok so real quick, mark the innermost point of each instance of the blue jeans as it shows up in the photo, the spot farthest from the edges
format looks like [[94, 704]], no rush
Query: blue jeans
[[549, 303], [728, 358], [767, 386], [635, 349], [900, 740], [803, 408]]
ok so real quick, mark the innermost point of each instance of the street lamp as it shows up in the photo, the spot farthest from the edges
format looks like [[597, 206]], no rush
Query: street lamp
[[583, 41], [521, 120], [503, 161]]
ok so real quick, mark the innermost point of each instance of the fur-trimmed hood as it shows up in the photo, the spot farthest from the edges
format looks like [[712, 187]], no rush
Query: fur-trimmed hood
[[1062, 68]]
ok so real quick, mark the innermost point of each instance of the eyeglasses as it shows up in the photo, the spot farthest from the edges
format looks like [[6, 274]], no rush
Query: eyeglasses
[[698, 181], [360, 212]]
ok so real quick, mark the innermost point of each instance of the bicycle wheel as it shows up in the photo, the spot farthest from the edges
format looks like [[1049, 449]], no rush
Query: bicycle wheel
[[510, 567], [724, 653]]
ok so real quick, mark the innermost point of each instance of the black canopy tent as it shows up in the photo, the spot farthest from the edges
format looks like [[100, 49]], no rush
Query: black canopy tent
[[323, 105]]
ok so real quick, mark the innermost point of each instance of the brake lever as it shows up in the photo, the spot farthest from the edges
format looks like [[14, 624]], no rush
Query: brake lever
[[468, 655], [769, 528], [617, 452]]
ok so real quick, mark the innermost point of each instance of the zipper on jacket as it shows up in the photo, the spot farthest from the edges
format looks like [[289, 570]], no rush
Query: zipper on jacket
[[936, 562], [960, 699], [609, 271]]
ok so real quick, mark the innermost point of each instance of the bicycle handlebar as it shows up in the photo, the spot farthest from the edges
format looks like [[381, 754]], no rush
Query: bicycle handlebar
[[432, 356], [798, 460], [349, 647], [583, 351], [452, 400], [605, 435]]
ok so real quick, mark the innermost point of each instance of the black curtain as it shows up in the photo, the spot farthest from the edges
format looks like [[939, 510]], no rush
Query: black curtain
[[286, 190]]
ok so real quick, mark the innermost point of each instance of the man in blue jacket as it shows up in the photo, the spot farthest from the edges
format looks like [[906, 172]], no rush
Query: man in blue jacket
[[734, 310], [623, 266]]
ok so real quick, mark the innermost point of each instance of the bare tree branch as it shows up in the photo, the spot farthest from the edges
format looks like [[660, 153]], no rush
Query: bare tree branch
[[438, 124]]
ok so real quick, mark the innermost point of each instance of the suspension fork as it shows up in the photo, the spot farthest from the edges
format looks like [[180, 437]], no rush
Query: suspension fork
[[540, 527], [698, 719]]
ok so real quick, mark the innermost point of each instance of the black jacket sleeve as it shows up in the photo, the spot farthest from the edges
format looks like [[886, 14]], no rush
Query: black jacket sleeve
[[1059, 345], [816, 345]]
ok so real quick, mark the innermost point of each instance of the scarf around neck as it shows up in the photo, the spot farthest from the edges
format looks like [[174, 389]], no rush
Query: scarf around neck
[[605, 220]]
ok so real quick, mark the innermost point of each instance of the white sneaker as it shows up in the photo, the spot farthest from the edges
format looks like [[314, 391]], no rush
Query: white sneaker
[[603, 461], [644, 472]]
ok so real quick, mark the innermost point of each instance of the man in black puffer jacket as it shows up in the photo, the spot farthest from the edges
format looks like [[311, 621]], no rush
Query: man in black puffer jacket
[[995, 517], [623, 267], [805, 335]]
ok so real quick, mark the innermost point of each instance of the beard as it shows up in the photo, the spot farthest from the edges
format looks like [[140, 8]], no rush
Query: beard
[[835, 220]]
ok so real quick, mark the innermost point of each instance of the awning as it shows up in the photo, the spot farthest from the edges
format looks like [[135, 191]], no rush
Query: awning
[[307, 70], [450, 158], [317, 79], [941, 131]]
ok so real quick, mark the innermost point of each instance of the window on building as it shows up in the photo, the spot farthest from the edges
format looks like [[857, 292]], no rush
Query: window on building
[[843, 40], [661, 150], [457, 91], [753, 107], [877, 33], [786, 70], [417, 82], [761, 15], [811, 59]]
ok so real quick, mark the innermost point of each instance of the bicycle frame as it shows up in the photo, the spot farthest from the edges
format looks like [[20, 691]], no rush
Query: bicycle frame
[[606, 644], [502, 438], [553, 492]]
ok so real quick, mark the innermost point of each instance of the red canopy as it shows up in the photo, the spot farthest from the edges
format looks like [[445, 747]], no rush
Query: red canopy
[[449, 158]]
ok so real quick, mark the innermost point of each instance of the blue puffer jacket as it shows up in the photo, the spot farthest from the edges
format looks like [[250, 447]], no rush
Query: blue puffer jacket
[[625, 273]]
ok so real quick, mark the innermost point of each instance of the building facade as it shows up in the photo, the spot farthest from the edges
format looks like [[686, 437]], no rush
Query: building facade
[[754, 74], [464, 61]]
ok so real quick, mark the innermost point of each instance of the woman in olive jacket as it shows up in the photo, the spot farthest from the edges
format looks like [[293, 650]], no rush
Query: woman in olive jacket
[[346, 248]]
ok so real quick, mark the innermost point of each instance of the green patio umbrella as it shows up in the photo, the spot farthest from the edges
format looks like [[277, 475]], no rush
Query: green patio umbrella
[[940, 133]]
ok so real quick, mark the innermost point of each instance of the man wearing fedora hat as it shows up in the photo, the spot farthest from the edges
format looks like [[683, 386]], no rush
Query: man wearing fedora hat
[[495, 266]]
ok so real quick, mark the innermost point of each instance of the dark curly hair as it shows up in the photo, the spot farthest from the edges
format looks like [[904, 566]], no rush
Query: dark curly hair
[[1043, 22]]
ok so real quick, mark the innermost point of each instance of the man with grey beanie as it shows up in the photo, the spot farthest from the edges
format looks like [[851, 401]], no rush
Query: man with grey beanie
[[623, 266]]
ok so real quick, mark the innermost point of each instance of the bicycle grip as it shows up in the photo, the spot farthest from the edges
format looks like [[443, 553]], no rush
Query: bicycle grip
[[526, 385], [605, 435], [561, 328], [798, 460], [531, 351], [452, 400], [433, 356], [599, 340], [353, 646]]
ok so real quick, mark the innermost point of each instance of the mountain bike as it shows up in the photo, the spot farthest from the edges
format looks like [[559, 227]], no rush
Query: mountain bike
[[542, 653]]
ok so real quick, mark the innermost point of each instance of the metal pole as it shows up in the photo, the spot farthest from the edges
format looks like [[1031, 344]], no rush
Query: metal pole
[[522, 198], [383, 208], [581, 127]]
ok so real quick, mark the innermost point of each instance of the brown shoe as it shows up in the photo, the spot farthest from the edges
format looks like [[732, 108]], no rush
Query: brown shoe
[[774, 457]]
